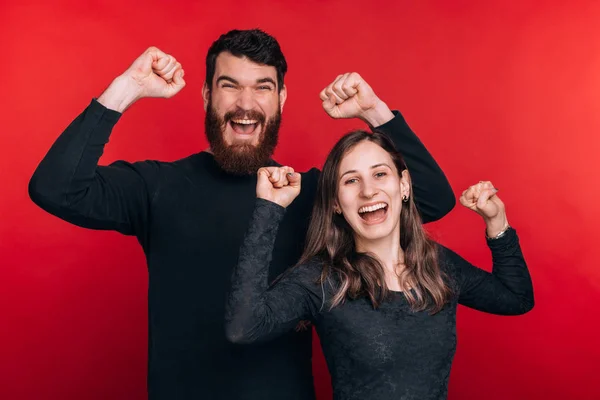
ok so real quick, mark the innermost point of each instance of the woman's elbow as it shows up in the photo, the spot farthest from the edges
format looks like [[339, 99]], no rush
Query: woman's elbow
[[528, 301], [524, 306], [237, 335], [528, 305]]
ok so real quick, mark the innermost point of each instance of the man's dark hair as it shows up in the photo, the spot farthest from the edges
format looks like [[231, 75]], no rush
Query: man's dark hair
[[256, 45]]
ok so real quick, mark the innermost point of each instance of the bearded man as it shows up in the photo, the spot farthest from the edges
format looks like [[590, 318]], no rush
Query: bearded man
[[190, 215]]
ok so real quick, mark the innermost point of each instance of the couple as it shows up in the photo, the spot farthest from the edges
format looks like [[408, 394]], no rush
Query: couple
[[190, 215]]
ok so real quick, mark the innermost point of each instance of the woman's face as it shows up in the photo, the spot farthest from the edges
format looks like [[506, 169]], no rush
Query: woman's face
[[370, 192]]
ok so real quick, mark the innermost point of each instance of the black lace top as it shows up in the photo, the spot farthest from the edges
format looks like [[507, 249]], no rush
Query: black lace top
[[387, 353]]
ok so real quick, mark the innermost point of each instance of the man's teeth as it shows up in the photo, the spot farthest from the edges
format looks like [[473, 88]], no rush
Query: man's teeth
[[372, 208], [244, 121]]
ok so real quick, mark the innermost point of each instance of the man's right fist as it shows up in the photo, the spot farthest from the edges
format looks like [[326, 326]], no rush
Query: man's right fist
[[156, 74], [153, 74]]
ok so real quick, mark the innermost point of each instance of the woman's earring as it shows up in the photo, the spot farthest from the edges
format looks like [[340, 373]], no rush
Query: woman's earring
[[405, 198]]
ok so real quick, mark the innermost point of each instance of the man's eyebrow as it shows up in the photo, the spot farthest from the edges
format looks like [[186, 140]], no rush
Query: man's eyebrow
[[266, 80], [227, 78]]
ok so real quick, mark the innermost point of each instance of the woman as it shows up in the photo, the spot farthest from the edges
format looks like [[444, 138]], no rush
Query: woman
[[381, 295]]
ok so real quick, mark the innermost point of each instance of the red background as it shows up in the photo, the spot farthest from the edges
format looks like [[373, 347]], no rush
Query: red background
[[505, 91]]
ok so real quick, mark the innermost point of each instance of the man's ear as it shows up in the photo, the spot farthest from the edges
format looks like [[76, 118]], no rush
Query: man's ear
[[282, 97], [206, 95]]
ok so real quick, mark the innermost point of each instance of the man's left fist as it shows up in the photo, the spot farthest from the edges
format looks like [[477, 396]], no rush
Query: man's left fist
[[350, 96]]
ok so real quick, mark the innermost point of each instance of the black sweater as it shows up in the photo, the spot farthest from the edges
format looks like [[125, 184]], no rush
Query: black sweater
[[190, 218], [383, 354]]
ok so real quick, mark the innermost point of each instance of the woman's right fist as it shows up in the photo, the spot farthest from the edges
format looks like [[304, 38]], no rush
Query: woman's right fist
[[280, 185]]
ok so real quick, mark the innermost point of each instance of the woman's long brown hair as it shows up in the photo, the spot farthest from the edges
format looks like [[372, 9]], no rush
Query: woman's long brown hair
[[331, 239]]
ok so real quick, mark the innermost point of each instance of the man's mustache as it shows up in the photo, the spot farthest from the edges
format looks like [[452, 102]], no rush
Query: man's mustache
[[244, 114]]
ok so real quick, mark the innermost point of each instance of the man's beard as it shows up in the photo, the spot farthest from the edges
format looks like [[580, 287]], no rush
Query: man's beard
[[241, 158]]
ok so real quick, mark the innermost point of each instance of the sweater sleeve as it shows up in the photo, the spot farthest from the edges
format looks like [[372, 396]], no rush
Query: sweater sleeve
[[255, 311], [507, 290], [70, 184], [432, 192]]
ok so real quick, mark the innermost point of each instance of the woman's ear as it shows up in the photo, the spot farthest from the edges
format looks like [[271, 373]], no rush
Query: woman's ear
[[336, 208], [405, 188]]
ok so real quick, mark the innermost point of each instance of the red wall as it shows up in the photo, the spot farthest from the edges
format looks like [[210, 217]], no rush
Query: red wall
[[506, 92]]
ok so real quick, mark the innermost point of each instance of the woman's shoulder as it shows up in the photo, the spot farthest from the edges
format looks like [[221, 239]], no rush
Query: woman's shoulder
[[448, 260], [309, 269]]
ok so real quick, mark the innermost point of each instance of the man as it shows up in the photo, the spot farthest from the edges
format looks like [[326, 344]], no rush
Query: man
[[190, 215]]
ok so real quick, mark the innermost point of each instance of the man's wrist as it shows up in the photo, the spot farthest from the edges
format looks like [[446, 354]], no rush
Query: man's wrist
[[378, 115], [120, 95]]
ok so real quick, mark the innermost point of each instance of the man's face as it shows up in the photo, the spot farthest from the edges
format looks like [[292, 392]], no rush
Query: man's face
[[243, 111]]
